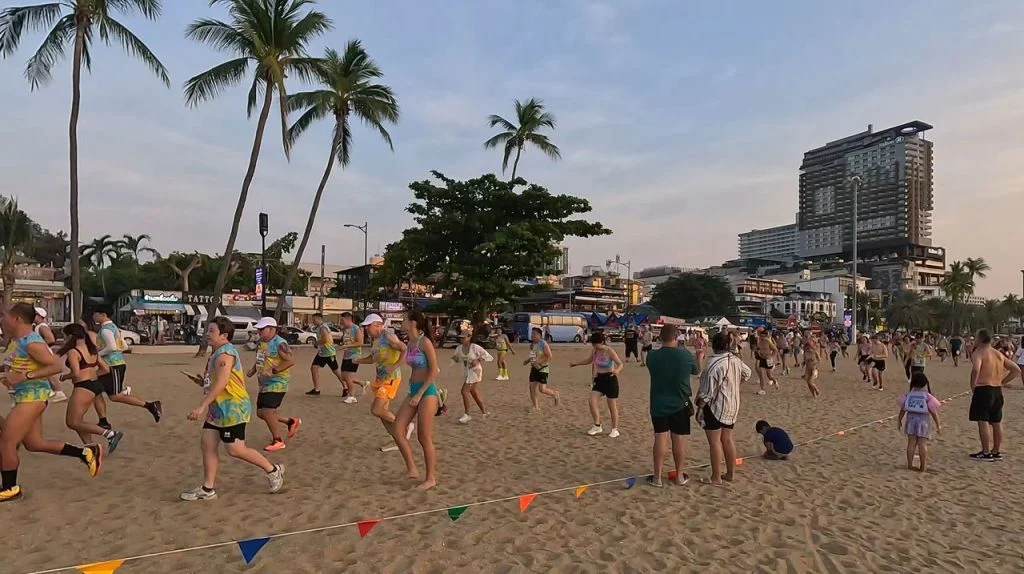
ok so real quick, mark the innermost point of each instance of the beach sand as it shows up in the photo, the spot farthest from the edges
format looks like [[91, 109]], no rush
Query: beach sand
[[844, 504]]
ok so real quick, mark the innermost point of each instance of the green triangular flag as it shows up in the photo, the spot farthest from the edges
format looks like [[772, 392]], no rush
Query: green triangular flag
[[455, 512]]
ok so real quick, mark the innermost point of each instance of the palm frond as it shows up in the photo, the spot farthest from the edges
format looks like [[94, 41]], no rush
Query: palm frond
[[208, 84], [219, 35], [40, 65], [134, 46], [343, 140], [282, 96], [510, 145], [310, 26], [16, 19], [312, 103], [149, 9], [496, 120], [498, 139], [542, 143]]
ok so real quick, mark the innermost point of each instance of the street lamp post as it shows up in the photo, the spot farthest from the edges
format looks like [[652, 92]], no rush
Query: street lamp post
[[855, 182], [264, 229], [366, 255], [629, 278]]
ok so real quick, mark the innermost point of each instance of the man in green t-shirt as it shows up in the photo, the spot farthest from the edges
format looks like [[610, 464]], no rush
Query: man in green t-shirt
[[671, 367]]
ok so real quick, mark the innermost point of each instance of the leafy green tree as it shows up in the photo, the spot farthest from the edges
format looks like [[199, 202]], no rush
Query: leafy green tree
[[101, 252], [272, 36], [15, 235], [907, 311], [76, 22], [48, 249], [531, 118], [481, 238], [347, 89], [693, 296], [134, 245]]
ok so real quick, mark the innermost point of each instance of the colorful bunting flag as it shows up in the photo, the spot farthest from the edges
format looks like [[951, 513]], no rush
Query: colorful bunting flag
[[630, 482], [365, 526], [525, 500], [455, 512], [580, 489], [107, 567], [251, 547]]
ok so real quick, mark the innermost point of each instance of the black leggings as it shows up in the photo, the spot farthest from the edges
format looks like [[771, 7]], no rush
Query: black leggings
[[832, 357]]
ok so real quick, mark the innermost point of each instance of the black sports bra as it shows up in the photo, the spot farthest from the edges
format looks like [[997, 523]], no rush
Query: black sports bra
[[82, 364]]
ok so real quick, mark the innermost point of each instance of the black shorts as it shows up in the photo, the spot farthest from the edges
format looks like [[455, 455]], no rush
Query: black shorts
[[349, 366], [269, 400], [956, 352], [785, 352], [764, 364], [228, 434], [677, 423], [941, 352], [94, 386], [863, 359], [646, 348], [631, 349], [113, 382], [987, 405], [536, 376], [914, 370], [331, 362], [607, 384], [877, 364], [712, 423]]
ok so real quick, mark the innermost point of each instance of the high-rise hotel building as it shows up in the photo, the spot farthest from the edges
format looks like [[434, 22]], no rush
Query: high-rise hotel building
[[894, 199]]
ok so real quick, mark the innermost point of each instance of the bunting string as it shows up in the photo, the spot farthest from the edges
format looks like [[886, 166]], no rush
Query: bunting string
[[250, 547]]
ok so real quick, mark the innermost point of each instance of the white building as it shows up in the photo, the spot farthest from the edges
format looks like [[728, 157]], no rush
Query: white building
[[837, 288], [803, 305], [772, 243]]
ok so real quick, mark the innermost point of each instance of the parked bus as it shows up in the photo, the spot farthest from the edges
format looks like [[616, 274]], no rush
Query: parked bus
[[558, 326]]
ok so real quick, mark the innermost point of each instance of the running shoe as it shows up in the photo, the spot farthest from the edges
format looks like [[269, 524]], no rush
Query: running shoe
[[276, 478], [156, 409], [11, 493], [995, 457], [293, 426], [363, 386], [614, 434], [113, 441], [199, 493], [760, 391], [350, 400], [274, 446], [464, 419], [595, 430], [981, 455], [105, 425], [390, 447], [92, 456], [313, 393], [58, 396]]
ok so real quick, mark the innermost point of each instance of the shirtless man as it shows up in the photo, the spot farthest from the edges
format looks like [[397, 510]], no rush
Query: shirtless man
[[766, 354], [812, 357], [990, 370], [878, 352]]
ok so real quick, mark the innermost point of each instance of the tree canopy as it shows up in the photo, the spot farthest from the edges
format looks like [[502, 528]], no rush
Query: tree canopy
[[692, 296], [481, 238]]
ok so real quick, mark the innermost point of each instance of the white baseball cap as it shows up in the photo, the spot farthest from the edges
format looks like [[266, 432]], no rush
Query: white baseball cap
[[266, 322], [41, 312], [371, 319]]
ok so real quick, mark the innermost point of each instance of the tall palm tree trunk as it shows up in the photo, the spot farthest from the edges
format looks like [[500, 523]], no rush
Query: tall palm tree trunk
[[515, 164], [222, 276], [76, 101], [294, 269]]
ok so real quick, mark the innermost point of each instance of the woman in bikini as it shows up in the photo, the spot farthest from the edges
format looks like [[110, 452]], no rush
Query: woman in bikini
[[606, 383], [422, 401], [85, 366], [503, 347], [812, 357]]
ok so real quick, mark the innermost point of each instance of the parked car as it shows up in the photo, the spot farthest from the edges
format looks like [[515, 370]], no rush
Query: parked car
[[130, 337], [483, 335], [296, 336]]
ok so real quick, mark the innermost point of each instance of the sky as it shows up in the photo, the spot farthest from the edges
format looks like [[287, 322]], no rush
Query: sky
[[683, 123]]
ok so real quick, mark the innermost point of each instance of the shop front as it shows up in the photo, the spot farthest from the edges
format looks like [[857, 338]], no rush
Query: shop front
[[303, 309], [49, 295], [156, 315]]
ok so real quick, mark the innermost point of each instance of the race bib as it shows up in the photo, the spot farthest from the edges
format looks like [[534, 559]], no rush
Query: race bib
[[261, 359], [770, 363], [206, 384]]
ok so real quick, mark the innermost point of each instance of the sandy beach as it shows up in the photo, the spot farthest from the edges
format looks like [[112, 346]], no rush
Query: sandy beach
[[845, 504]]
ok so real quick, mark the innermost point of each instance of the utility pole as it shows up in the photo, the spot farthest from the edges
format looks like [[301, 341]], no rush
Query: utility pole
[[366, 256]]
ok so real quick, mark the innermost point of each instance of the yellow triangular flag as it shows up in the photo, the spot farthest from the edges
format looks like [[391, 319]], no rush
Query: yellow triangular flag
[[107, 567], [580, 490]]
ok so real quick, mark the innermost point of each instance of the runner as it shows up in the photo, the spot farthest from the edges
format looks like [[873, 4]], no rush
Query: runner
[[1018, 358], [352, 349], [990, 370], [920, 352], [700, 348], [606, 383], [539, 359], [503, 347], [833, 351], [471, 356], [766, 353], [646, 343], [956, 342], [877, 353], [226, 408], [864, 357], [632, 343], [422, 402], [272, 370], [111, 344], [782, 343], [46, 333], [29, 363], [942, 348], [844, 345], [85, 365], [670, 368], [812, 358], [326, 356], [969, 347], [386, 351]]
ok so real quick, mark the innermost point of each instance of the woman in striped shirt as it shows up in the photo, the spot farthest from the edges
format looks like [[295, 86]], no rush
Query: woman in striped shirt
[[718, 405]]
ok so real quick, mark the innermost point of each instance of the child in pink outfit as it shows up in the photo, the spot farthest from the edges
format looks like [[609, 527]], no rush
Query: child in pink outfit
[[920, 409]]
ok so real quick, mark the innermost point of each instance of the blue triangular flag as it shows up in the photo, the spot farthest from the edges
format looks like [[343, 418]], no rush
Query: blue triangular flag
[[251, 547], [630, 482]]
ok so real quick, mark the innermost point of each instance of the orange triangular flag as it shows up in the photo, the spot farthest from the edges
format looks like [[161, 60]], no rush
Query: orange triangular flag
[[365, 526], [107, 567], [580, 490], [525, 500]]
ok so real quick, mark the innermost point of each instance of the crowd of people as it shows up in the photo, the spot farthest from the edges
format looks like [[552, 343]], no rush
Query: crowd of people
[[92, 354]]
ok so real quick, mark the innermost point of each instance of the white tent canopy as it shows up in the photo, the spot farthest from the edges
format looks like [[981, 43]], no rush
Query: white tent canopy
[[723, 322]]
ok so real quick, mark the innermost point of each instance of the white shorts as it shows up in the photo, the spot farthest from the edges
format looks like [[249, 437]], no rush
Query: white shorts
[[473, 377]]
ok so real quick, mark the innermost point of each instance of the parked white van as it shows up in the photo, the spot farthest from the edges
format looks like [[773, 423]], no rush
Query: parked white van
[[245, 328]]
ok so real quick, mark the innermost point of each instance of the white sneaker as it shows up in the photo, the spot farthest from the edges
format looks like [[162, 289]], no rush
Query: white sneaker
[[614, 433], [410, 431], [464, 419], [198, 493], [595, 430], [276, 478], [392, 447], [58, 396], [350, 400], [760, 392]]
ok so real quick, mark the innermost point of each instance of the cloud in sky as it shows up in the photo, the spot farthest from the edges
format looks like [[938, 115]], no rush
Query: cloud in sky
[[683, 123]]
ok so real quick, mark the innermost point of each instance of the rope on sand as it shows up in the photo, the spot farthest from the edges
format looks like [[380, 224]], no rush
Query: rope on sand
[[365, 526]]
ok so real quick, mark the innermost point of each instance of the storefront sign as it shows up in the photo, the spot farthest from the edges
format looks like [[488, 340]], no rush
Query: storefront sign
[[200, 299], [160, 297], [391, 306]]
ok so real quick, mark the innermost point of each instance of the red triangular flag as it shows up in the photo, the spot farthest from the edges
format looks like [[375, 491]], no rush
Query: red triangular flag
[[673, 474], [365, 526], [525, 500]]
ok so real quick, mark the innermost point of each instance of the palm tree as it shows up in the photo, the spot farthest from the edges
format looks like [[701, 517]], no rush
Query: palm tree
[[347, 89], [272, 36], [15, 235], [958, 282], [1014, 306], [532, 118], [993, 314], [133, 245], [77, 22], [977, 268], [102, 251], [907, 311]]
